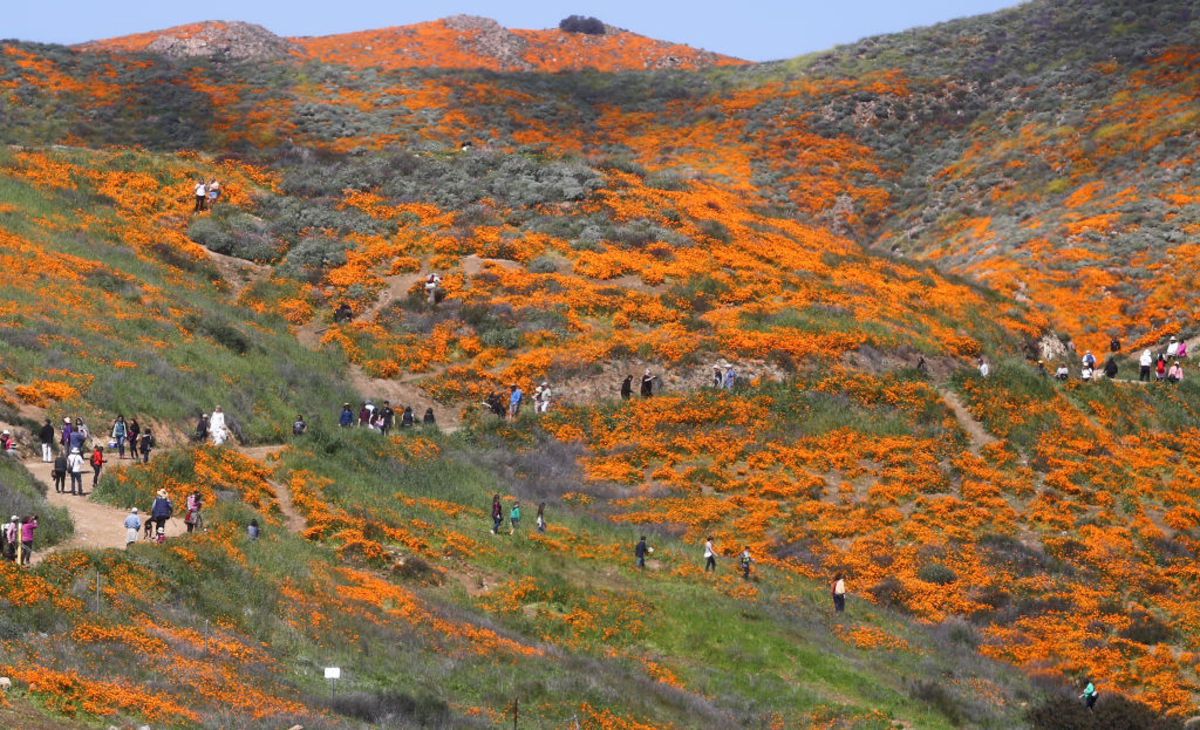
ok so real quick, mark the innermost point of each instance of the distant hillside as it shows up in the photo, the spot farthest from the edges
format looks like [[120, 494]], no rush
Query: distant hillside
[[460, 41]]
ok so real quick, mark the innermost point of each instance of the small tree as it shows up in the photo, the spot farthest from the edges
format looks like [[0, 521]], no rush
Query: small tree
[[580, 24]]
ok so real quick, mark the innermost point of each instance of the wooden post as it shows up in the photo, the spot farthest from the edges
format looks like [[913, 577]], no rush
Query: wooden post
[[516, 711]]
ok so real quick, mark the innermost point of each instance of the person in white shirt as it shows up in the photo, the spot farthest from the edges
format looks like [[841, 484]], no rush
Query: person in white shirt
[[710, 555], [1145, 362], [1086, 374], [75, 469], [542, 403], [1062, 373], [201, 193], [839, 593], [983, 368], [216, 427], [1173, 347]]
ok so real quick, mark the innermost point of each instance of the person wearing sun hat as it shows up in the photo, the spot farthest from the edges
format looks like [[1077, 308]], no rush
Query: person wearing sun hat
[[66, 434], [161, 510]]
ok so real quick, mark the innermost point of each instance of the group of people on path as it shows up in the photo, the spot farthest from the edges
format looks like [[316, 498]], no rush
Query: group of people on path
[[211, 427], [206, 194], [724, 375], [380, 419], [17, 537], [516, 398], [514, 516], [1176, 351], [646, 389]]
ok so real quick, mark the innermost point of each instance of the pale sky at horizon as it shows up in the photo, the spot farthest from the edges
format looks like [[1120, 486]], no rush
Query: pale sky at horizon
[[757, 31]]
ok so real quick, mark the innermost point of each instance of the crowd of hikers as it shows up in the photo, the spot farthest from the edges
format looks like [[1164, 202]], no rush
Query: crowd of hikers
[[1165, 366], [381, 419]]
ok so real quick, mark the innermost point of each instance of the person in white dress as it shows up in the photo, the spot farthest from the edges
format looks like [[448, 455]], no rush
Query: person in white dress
[[216, 427]]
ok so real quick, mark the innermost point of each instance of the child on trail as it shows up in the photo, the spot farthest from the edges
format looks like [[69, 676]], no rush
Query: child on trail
[[514, 518], [75, 468], [97, 463], [497, 513], [133, 524], [640, 551], [746, 560], [710, 555], [541, 517], [1089, 695], [60, 473], [192, 518], [839, 593]]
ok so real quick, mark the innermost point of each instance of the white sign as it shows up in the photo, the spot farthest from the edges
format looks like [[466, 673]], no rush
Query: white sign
[[333, 672]]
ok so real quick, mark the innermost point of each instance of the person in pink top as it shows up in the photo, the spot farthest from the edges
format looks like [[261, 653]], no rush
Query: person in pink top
[[28, 525], [1175, 374]]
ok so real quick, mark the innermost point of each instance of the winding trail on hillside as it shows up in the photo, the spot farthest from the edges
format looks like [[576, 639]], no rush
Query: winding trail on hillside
[[99, 526], [977, 436]]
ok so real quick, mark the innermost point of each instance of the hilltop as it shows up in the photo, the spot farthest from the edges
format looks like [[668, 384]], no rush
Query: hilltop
[[849, 233], [460, 41]]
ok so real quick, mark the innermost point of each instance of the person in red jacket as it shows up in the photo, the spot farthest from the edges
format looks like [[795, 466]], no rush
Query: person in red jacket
[[97, 463]]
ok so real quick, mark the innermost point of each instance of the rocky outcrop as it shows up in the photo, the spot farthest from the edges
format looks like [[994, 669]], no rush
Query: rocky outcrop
[[213, 38], [487, 38]]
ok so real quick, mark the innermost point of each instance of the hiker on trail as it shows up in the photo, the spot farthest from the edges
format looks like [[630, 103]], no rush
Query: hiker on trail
[[839, 593], [1182, 351], [1041, 368], [75, 469], [192, 518], [346, 419], [1160, 368], [28, 525], [542, 404], [161, 511], [66, 434], [407, 419], [1114, 345], [710, 555], [1110, 367], [119, 433], [387, 418], [984, 370], [8, 444], [541, 517], [428, 420], [1089, 360], [216, 427], [145, 444], [1144, 365], [343, 313], [718, 377], [214, 192], [497, 513], [59, 472], [133, 524], [135, 432], [299, 426], [79, 435], [1173, 347], [364, 415], [627, 387], [12, 537], [640, 551], [200, 436], [648, 384], [730, 378], [1089, 695], [431, 286], [1175, 374], [1062, 373], [252, 529], [922, 366], [97, 463], [514, 401], [46, 436], [514, 518], [1086, 374], [201, 194], [745, 561]]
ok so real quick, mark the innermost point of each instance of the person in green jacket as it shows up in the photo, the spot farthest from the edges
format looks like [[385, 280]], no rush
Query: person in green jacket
[[514, 518], [1089, 695]]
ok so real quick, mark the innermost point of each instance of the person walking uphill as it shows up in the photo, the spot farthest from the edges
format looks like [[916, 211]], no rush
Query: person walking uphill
[[514, 518], [497, 514], [639, 552], [161, 510], [75, 469], [1089, 695], [97, 464], [119, 433], [710, 555]]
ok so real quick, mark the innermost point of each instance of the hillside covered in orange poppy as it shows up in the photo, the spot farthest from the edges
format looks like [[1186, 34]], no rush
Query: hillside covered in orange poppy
[[848, 232]]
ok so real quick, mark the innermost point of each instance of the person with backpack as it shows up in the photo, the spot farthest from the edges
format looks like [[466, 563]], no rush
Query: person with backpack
[[46, 437], [118, 434], [75, 469], [80, 435], [428, 420], [59, 472], [407, 419], [640, 551], [839, 593], [1089, 360], [1089, 695], [97, 463], [161, 511], [746, 561], [299, 426], [497, 513], [145, 445]]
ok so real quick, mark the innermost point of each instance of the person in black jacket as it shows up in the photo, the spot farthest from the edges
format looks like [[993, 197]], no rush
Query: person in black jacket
[[46, 436], [627, 387], [640, 552], [60, 472]]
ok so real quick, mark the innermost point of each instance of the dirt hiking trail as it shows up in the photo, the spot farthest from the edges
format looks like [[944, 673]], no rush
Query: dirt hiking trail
[[978, 437]]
